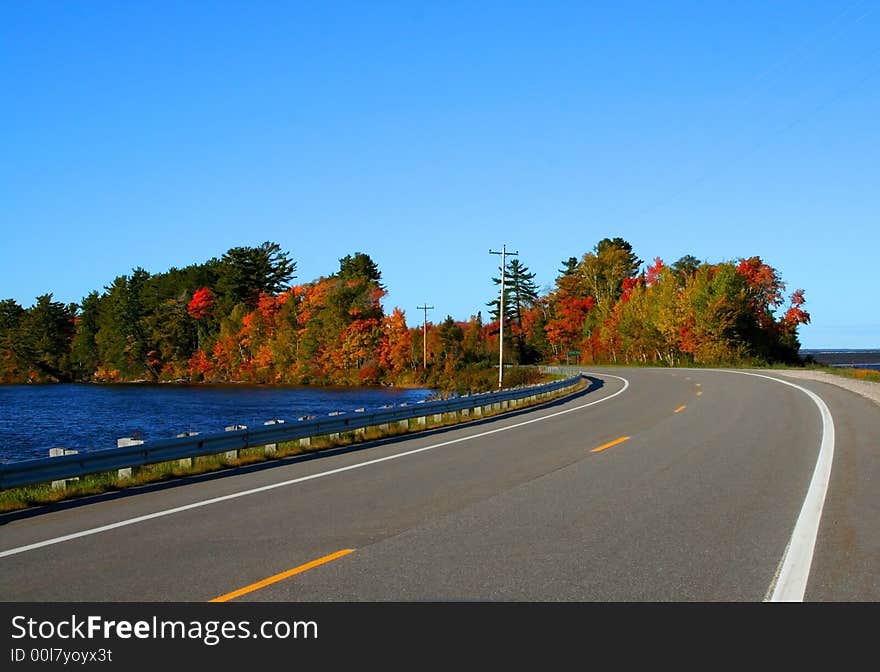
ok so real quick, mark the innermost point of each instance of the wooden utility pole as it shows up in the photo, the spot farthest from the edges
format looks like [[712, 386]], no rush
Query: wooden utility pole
[[426, 308], [504, 254]]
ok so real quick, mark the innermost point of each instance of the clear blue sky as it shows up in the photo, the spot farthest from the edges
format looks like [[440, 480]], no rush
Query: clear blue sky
[[427, 133]]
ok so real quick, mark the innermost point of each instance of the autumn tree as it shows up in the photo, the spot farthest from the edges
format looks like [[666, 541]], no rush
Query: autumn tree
[[236, 319], [201, 304], [788, 344], [617, 243], [601, 273], [396, 346]]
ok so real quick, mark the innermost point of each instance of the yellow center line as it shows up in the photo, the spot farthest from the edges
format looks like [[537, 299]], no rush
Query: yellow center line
[[604, 446], [680, 408], [699, 393], [283, 575]]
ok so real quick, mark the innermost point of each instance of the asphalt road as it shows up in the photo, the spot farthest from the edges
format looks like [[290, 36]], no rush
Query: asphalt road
[[699, 503]]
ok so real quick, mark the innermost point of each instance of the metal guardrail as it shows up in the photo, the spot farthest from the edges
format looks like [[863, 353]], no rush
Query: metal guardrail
[[562, 369], [40, 470]]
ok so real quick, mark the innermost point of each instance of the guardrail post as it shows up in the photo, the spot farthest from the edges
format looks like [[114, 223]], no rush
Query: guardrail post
[[270, 448], [306, 441], [334, 436], [360, 430], [185, 462], [385, 427], [232, 454], [122, 443], [58, 452]]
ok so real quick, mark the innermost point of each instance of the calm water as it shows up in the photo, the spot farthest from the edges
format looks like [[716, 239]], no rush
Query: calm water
[[34, 418], [859, 359]]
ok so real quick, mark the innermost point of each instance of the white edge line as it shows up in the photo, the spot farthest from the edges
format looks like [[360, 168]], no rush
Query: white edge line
[[294, 481], [790, 582]]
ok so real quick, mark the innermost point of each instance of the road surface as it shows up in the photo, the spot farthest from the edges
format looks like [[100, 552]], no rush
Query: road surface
[[654, 485]]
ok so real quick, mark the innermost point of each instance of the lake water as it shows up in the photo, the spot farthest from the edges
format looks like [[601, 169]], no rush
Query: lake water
[[34, 418], [853, 358]]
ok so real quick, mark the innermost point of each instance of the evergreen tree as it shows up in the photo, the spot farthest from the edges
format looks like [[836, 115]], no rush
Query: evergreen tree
[[569, 266], [45, 334], [359, 267], [119, 337], [686, 266], [84, 355], [13, 368], [247, 272], [451, 337], [520, 295]]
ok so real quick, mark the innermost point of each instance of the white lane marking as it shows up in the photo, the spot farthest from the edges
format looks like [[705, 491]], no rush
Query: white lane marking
[[790, 582], [244, 493]]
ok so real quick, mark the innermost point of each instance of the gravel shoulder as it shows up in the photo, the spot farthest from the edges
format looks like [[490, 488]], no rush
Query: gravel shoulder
[[868, 389]]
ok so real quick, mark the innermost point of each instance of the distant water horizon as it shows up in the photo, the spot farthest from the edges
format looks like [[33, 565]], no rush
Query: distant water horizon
[[813, 350], [867, 358]]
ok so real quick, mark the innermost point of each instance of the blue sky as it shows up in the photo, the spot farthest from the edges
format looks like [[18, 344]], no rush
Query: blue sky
[[427, 133]]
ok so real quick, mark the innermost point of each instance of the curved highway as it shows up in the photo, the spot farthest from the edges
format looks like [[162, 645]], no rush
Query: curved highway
[[654, 485]]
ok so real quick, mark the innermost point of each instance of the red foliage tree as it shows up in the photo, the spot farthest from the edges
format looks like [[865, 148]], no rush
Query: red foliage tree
[[796, 315], [652, 273], [395, 346], [566, 328], [202, 302]]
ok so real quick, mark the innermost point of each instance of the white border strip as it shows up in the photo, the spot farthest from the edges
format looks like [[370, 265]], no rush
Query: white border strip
[[294, 481], [790, 582]]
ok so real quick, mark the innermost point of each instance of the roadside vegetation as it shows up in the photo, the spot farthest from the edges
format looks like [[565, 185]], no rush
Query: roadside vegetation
[[869, 375], [238, 318]]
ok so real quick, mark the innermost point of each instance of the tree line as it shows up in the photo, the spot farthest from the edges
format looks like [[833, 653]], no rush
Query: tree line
[[239, 319]]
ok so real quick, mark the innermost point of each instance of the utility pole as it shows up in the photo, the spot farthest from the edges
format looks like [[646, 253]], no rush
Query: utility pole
[[426, 308], [504, 254]]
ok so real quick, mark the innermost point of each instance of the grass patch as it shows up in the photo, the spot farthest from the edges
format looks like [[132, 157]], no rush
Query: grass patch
[[869, 375]]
